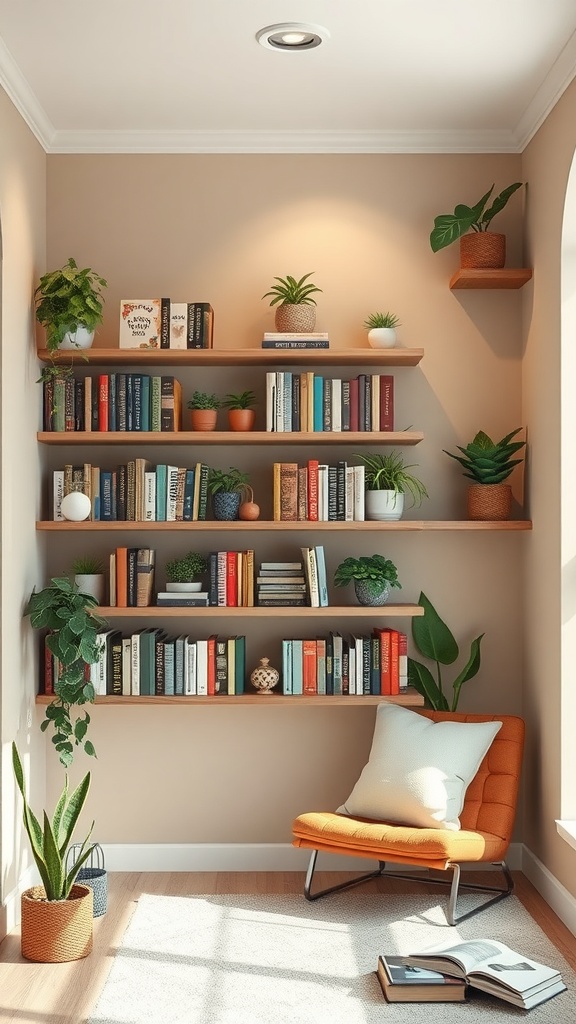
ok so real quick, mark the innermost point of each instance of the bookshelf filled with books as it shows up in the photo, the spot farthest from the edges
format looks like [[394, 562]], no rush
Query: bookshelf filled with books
[[61, 447]]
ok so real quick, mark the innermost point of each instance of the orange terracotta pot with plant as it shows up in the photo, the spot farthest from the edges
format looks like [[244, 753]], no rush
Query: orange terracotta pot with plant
[[241, 415], [203, 411]]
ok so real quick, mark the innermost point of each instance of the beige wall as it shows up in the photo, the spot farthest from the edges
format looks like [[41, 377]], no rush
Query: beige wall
[[23, 218], [219, 228], [546, 165]]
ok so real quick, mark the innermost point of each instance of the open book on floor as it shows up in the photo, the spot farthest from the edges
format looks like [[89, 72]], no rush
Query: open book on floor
[[495, 968], [402, 984]]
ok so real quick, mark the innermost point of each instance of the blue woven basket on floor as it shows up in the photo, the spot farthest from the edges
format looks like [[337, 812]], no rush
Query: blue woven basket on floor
[[93, 873]]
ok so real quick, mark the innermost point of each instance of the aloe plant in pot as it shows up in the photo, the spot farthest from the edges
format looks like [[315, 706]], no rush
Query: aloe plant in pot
[[296, 312], [388, 480], [488, 464]]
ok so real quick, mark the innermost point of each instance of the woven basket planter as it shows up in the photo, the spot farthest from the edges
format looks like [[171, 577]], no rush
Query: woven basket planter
[[482, 250], [55, 932], [93, 872], [295, 318], [489, 501]]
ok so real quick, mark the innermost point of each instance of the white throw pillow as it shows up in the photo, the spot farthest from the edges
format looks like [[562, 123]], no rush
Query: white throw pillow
[[418, 770]]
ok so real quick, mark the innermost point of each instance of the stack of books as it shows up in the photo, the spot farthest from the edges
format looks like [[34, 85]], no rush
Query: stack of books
[[277, 339], [281, 584]]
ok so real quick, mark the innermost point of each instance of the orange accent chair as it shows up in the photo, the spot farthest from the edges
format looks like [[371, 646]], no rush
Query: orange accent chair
[[487, 820]]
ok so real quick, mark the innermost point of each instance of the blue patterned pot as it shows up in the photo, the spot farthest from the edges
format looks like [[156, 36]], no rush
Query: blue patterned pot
[[226, 504], [372, 593]]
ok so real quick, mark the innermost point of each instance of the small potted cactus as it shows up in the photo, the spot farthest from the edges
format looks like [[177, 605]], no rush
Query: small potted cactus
[[488, 463]]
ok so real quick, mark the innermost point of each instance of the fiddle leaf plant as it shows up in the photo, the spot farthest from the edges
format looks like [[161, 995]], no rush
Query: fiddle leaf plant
[[435, 641], [72, 626]]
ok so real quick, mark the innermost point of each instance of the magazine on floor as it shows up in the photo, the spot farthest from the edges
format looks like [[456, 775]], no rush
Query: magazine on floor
[[495, 968]]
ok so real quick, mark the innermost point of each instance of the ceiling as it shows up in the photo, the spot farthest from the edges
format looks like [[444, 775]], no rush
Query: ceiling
[[189, 76]]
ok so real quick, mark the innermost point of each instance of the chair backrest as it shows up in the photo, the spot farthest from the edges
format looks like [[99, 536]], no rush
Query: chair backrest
[[491, 797]]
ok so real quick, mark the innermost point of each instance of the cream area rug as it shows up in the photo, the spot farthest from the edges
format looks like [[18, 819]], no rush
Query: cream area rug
[[280, 960]]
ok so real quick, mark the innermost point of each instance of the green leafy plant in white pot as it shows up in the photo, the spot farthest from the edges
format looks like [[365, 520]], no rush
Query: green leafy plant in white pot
[[296, 312], [69, 306], [387, 480], [89, 576], [381, 329]]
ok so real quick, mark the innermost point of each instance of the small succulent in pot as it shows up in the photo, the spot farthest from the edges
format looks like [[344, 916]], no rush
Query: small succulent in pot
[[203, 410], [486, 461], [296, 306], [203, 400], [379, 320], [373, 577], [241, 415], [226, 487], [381, 329]]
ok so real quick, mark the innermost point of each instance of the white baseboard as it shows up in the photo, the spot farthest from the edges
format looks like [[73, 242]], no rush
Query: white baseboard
[[556, 895], [235, 857], [11, 906]]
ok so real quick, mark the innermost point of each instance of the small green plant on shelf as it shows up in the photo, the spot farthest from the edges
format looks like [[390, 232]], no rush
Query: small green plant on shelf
[[203, 400], [378, 320], [87, 565], [486, 461], [220, 480], [245, 400], [66, 299], [72, 626], [186, 569], [435, 641], [448, 227], [291, 292], [51, 840], [389, 472], [367, 567]]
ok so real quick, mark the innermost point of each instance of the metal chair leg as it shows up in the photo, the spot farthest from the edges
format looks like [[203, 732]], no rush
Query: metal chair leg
[[335, 888], [455, 886]]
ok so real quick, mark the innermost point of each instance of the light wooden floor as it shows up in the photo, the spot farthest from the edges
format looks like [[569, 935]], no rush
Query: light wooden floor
[[66, 993]]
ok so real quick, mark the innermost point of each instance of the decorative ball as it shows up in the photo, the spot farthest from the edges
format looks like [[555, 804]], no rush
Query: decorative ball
[[76, 506], [264, 677], [249, 510]]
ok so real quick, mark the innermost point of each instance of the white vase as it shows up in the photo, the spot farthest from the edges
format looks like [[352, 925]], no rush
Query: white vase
[[80, 338], [92, 584], [184, 588], [382, 337], [383, 505]]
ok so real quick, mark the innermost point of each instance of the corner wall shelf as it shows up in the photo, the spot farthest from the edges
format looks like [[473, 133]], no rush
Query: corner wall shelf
[[508, 277]]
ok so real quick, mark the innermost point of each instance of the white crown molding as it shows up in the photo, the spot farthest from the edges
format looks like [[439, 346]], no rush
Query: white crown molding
[[15, 85], [554, 85], [307, 141]]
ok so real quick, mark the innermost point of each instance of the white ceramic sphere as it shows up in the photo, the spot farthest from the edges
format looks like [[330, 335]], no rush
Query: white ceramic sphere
[[76, 506]]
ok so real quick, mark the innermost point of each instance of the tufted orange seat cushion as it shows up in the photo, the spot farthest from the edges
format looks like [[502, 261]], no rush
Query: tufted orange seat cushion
[[487, 817]]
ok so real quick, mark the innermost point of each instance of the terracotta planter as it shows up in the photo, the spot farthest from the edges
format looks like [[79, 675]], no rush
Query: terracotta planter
[[57, 931], [241, 419], [482, 250], [203, 419], [489, 501]]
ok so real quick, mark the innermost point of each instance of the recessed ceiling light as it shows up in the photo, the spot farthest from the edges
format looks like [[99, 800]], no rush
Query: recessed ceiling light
[[292, 36]]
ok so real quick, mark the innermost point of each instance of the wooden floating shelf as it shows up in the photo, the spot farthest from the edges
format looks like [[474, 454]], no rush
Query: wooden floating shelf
[[355, 611], [267, 525], [236, 357], [507, 278], [409, 699], [228, 437]]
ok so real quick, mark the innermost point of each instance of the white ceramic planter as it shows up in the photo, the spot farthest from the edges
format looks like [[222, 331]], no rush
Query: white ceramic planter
[[184, 588], [382, 337], [80, 338], [383, 505], [92, 584]]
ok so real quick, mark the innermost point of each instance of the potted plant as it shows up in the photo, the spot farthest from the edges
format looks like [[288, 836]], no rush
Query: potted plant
[[387, 479], [57, 915], [488, 463], [381, 329], [296, 313], [69, 617], [182, 573], [204, 410], [69, 305], [373, 577], [226, 488], [241, 415], [482, 248], [89, 576], [434, 640]]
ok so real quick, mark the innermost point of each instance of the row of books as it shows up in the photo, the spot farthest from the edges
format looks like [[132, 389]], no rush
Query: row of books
[[132, 573], [136, 491], [112, 401], [318, 492], [311, 403], [150, 662], [375, 664], [161, 323]]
